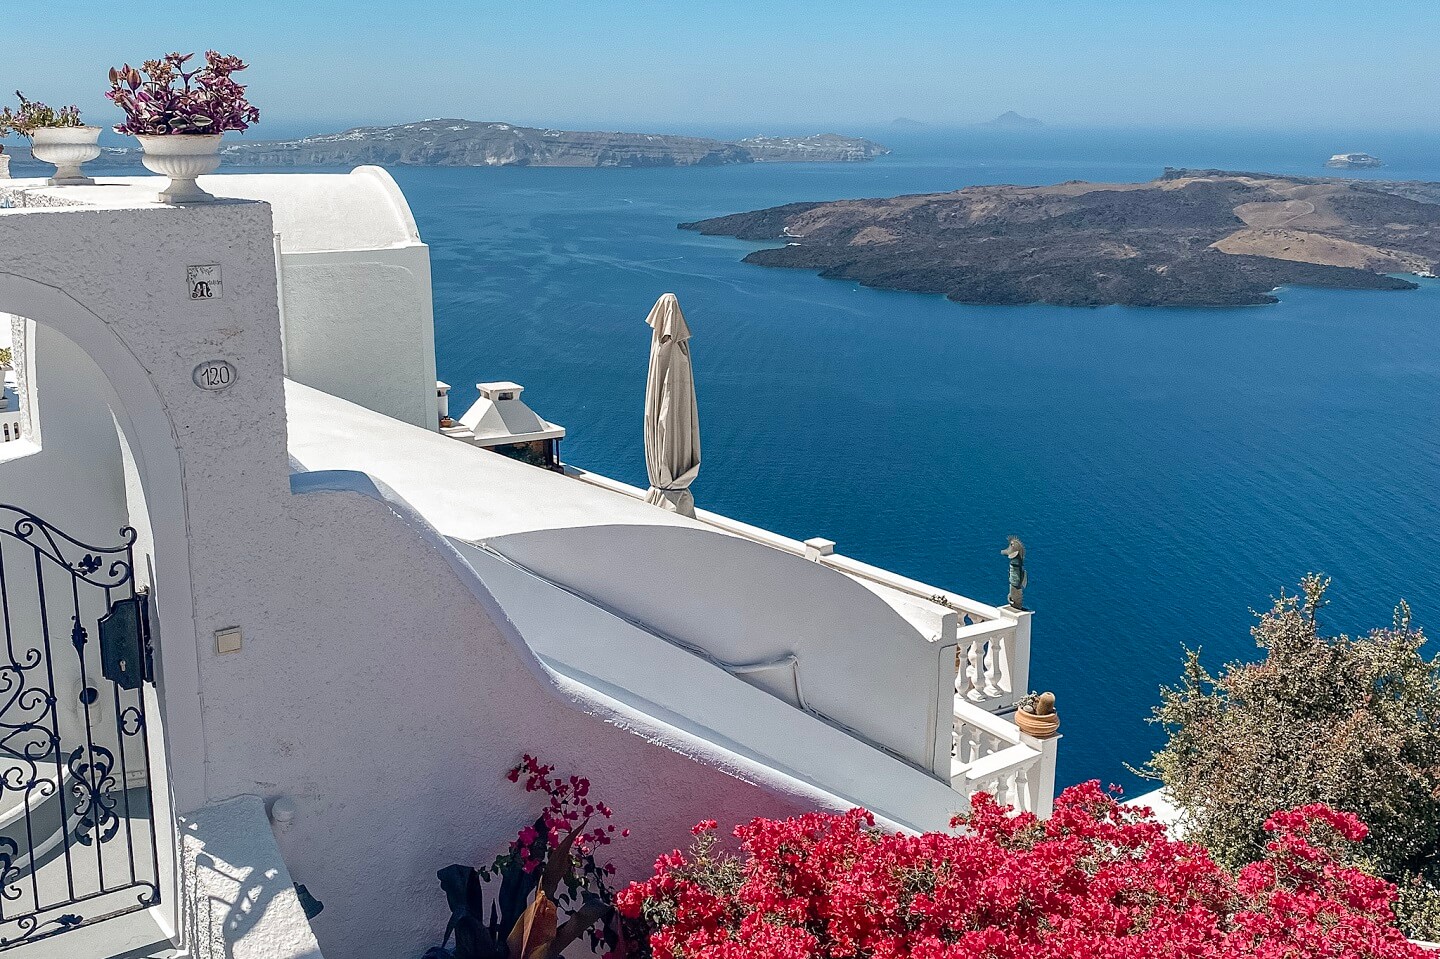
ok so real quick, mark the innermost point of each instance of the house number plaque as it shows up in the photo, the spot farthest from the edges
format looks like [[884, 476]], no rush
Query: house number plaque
[[214, 375]]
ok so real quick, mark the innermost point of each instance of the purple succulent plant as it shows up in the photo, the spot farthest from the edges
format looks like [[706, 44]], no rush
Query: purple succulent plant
[[163, 98]]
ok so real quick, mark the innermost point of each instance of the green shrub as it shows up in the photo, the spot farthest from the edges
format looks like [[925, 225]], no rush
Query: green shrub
[[1350, 722]]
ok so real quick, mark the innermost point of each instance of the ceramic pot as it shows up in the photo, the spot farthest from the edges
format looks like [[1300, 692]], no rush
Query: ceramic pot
[[182, 157], [67, 148], [1041, 727]]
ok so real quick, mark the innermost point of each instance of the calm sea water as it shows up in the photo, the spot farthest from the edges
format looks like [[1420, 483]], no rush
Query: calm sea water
[[1168, 469]]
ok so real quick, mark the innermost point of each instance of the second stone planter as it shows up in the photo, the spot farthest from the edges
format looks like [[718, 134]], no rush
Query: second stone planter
[[182, 157], [68, 148]]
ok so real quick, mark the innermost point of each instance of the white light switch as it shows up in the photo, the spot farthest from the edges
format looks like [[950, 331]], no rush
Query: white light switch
[[227, 640]]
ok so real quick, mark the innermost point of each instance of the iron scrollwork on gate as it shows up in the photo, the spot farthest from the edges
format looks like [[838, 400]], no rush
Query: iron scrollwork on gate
[[78, 843]]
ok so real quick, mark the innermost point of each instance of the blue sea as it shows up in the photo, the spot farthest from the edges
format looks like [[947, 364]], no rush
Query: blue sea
[[1168, 469]]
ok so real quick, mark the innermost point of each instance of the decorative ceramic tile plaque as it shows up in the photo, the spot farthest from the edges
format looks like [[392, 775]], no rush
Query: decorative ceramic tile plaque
[[203, 282]]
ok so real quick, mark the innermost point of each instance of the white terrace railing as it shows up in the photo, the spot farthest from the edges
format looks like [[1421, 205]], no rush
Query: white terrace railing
[[992, 654], [990, 754], [982, 663]]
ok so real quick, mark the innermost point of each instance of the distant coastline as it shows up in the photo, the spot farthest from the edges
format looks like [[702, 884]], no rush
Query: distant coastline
[[469, 143]]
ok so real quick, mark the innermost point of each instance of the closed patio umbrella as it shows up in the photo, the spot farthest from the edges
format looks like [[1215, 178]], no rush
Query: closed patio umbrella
[[672, 422]]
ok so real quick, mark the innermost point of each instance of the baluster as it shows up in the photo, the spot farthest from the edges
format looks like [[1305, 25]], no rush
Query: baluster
[[989, 660], [973, 676], [1000, 667]]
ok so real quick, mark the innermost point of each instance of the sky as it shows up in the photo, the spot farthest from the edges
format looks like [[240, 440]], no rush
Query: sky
[[776, 66]]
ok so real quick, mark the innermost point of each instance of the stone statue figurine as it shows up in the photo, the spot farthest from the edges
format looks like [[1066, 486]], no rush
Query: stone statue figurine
[[1016, 551]]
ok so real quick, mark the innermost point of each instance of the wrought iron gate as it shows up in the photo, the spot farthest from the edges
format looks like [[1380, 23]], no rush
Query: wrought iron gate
[[77, 840]]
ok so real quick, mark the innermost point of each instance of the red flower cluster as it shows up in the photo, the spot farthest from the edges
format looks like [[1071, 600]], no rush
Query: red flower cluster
[[569, 806], [1095, 881]]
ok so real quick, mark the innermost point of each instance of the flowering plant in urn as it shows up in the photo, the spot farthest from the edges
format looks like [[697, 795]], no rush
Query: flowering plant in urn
[[179, 115], [56, 136]]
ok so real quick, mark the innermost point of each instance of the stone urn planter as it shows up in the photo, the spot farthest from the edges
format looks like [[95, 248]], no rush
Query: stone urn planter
[[67, 148], [182, 157], [1037, 717]]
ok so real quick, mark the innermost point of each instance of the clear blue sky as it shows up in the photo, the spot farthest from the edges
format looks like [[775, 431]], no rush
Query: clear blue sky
[[797, 64]]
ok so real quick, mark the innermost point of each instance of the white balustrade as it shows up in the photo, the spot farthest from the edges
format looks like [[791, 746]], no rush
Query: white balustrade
[[992, 755], [992, 658]]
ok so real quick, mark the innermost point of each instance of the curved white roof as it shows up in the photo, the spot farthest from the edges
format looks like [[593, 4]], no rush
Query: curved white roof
[[323, 212]]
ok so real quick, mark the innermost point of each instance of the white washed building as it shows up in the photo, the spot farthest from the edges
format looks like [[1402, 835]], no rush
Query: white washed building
[[358, 623]]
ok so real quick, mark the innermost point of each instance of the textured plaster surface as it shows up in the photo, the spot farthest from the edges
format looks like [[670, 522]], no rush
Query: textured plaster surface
[[211, 465], [687, 691], [240, 900], [857, 662], [405, 696], [75, 478], [317, 212], [359, 325], [356, 277], [440, 476]]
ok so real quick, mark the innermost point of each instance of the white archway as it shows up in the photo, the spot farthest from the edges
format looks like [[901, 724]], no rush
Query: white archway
[[148, 440], [150, 436]]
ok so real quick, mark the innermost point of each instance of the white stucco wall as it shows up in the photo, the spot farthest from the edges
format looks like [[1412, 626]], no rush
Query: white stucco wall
[[75, 481], [112, 282], [76, 475], [656, 677], [859, 663], [358, 324], [397, 759]]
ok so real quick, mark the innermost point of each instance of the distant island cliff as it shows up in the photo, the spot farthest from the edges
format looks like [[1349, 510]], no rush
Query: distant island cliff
[[1188, 238], [1010, 120], [472, 143]]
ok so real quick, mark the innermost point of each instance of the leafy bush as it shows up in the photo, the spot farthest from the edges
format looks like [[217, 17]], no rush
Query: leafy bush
[[1095, 880], [1353, 723]]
